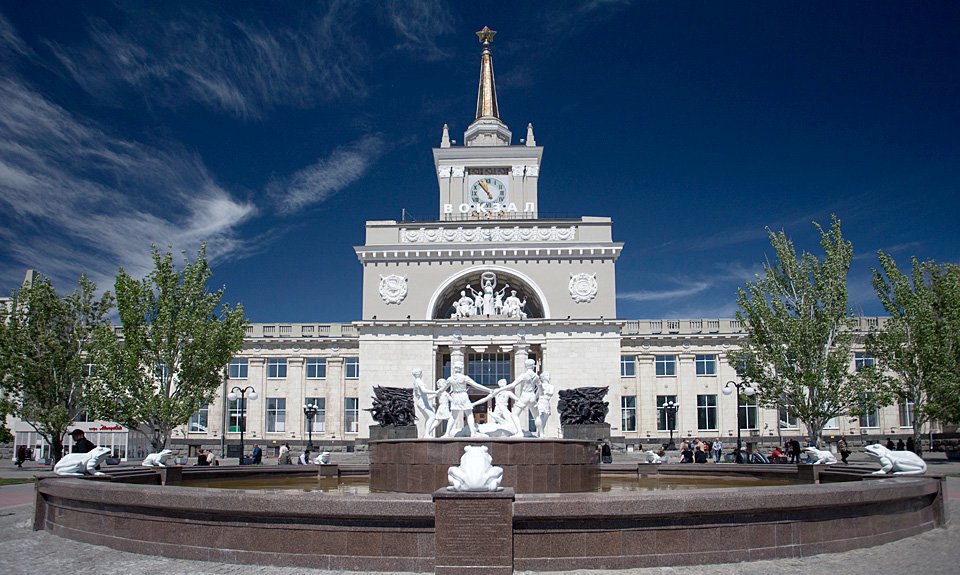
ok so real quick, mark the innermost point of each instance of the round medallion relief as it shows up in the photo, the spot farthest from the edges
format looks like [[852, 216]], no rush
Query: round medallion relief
[[393, 288], [583, 287]]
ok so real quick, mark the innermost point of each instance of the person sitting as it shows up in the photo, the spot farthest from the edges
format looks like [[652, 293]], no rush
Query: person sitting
[[686, 453], [699, 456], [202, 457], [304, 458], [256, 456], [80, 442], [776, 455]]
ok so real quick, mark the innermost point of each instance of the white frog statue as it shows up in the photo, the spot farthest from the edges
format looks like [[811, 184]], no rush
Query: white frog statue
[[823, 457], [653, 457], [896, 462], [323, 458], [157, 459], [82, 463], [476, 472]]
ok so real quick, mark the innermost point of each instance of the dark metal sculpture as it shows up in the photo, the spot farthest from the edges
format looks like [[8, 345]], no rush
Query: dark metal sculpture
[[392, 406], [583, 405]]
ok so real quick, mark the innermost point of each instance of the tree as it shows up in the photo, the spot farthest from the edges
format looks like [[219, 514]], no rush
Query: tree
[[800, 332], [44, 344], [176, 340], [917, 347]]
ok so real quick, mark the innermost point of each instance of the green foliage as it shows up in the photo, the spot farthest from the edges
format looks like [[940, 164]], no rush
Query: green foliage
[[801, 331], [919, 345], [177, 338], [44, 343]]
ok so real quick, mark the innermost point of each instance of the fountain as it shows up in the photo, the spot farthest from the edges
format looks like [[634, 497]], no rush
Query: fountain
[[419, 524]]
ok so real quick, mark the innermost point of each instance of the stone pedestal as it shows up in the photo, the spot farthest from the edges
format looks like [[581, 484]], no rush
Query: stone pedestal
[[474, 532], [393, 432], [588, 431], [328, 470], [529, 465], [170, 475]]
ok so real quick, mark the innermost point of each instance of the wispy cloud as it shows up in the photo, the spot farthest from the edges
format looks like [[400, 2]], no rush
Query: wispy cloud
[[872, 255], [318, 182], [78, 199], [418, 25], [685, 290], [235, 64]]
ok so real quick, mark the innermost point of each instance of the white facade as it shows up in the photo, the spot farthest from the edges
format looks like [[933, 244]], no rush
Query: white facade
[[488, 229]]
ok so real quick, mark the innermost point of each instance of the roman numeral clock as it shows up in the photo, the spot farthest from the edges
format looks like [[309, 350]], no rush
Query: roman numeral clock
[[488, 190]]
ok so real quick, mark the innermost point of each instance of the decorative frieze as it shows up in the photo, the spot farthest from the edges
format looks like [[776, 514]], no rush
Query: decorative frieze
[[497, 234]]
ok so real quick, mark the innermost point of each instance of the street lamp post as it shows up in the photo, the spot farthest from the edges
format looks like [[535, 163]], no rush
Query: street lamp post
[[747, 389], [670, 409], [310, 411], [235, 393]]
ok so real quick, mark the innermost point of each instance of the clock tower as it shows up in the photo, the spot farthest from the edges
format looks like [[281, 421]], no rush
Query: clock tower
[[487, 178]]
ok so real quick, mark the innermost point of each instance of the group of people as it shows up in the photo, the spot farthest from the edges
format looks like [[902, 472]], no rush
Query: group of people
[[286, 458], [450, 402], [698, 451]]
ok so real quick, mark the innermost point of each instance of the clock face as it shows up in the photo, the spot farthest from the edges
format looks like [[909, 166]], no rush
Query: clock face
[[488, 190]]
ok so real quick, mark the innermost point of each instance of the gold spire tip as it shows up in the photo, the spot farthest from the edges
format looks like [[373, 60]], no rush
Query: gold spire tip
[[486, 35]]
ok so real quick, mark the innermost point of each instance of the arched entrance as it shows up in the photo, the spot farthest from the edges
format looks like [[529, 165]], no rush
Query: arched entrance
[[489, 289]]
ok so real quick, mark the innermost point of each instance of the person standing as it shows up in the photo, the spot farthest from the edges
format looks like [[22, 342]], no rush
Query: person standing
[[900, 446], [717, 450], [284, 458], [843, 449], [911, 446], [889, 445], [794, 451], [80, 442]]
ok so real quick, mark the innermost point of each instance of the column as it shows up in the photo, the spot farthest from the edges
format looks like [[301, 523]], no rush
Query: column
[[334, 397], [257, 379], [456, 353], [521, 351], [293, 392], [686, 392]]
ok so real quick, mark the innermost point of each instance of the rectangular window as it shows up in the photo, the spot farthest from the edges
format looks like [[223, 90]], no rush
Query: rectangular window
[[906, 408], [320, 419], [832, 423], [237, 415], [238, 368], [316, 368], [276, 414], [786, 415], [706, 365], [628, 366], [666, 365], [748, 414], [872, 416], [707, 412], [277, 368], [666, 419], [198, 421], [487, 368], [863, 360], [351, 414], [352, 367], [628, 410]]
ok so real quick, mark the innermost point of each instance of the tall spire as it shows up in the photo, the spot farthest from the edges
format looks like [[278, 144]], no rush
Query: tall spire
[[487, 94]]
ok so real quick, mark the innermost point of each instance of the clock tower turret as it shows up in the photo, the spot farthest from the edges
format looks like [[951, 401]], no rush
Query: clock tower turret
[[487, 178]]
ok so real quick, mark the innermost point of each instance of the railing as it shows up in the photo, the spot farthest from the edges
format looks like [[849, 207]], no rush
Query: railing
[[302, 330]]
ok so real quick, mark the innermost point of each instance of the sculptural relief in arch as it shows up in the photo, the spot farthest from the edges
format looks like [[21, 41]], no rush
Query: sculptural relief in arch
[[493, 292]]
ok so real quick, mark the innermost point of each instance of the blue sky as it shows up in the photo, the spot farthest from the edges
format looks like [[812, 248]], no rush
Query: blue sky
[[273, 130]]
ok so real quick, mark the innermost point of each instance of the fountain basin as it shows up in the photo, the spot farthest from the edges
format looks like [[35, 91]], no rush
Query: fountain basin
[[396, 532]]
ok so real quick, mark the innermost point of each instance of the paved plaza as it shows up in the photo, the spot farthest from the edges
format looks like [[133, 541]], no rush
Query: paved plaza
[[28, 552]]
